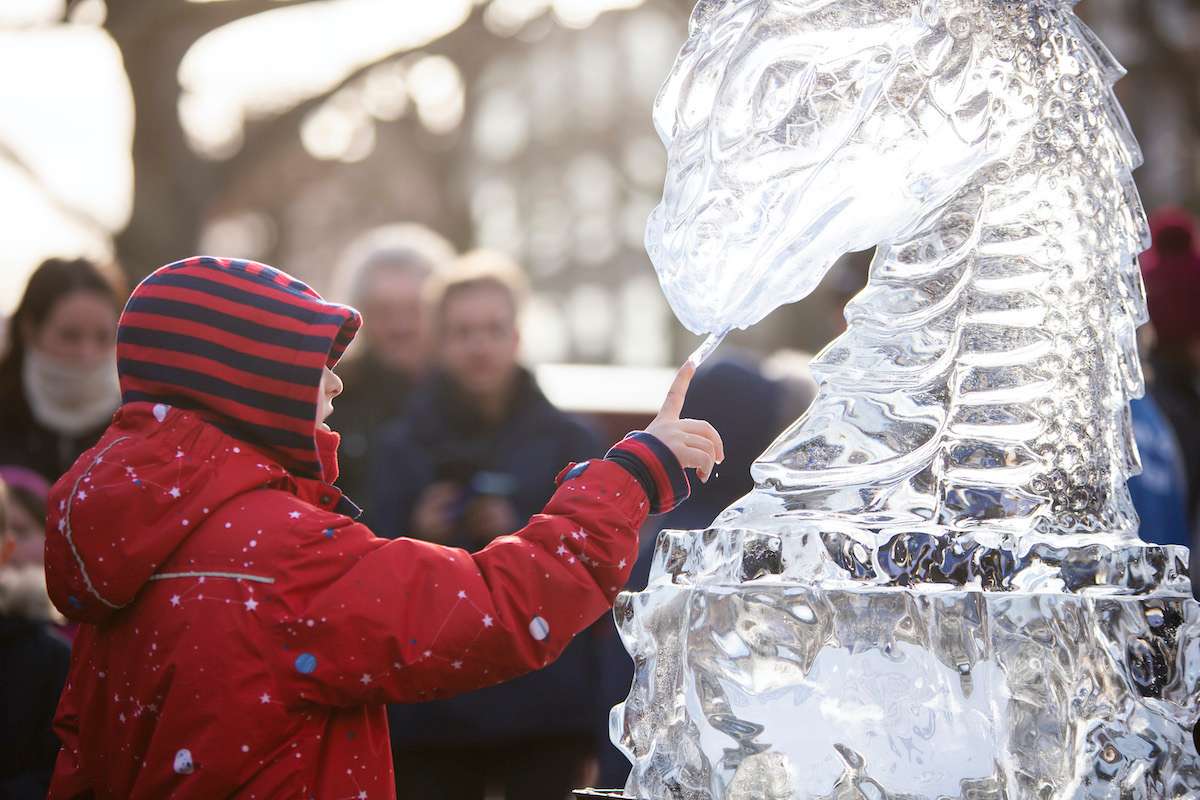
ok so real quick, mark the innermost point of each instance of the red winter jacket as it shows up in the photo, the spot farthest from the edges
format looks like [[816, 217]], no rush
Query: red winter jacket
[[243, 634]]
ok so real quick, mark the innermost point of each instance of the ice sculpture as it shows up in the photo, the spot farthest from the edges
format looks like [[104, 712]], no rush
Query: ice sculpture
[[936, 589]]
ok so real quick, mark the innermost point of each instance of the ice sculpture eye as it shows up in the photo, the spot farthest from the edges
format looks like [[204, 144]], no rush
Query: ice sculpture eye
[[780, 88], [879, 62]]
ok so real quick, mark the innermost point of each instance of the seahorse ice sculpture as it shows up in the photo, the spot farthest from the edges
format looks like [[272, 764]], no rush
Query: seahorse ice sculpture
[[936, 589]]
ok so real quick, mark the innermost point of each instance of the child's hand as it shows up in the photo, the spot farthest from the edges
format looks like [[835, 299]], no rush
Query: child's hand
[[695, 443]]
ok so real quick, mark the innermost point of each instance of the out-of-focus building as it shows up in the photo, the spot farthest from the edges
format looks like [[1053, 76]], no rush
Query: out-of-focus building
[[1158, 41]]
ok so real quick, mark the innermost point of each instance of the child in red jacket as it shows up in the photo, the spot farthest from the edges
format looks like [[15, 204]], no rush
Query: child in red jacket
[[243, 632]]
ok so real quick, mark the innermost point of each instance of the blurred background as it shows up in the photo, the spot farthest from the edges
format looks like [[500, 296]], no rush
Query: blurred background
[[139, 132], [278, 131]]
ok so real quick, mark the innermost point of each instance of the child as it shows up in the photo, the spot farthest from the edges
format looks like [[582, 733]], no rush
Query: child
[[27, 491], [245, 632], [33, 668]]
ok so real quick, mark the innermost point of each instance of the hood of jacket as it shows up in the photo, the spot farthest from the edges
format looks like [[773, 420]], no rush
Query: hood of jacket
[[241, 343], [220, 365]]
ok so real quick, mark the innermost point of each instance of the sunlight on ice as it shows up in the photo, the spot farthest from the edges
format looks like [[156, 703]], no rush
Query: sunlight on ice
[[936, 588]]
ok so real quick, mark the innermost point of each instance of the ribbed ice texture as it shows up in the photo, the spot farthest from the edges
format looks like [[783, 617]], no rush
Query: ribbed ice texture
[[936, 589]]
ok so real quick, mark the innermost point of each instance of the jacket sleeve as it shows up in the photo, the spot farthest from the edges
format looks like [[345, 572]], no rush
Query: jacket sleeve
[[408, 621]]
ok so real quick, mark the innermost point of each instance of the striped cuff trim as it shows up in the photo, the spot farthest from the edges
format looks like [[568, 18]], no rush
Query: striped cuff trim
[[655, 467]]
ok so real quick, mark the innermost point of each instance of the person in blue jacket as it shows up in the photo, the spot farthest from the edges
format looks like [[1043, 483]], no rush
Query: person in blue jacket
[[1159, 493]]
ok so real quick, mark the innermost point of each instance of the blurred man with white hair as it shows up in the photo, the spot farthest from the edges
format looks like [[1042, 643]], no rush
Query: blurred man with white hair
[[383, 273]]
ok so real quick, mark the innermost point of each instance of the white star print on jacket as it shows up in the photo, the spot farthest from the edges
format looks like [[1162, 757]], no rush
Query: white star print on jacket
[[270, 620]]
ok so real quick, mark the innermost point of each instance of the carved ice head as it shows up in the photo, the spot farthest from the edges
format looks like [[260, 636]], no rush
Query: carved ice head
[[800, 130]]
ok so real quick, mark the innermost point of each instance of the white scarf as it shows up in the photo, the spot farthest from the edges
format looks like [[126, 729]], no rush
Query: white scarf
[[67, 399]]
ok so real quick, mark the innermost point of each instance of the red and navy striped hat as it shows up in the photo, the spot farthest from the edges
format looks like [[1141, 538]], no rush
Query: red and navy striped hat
[[239, 341]]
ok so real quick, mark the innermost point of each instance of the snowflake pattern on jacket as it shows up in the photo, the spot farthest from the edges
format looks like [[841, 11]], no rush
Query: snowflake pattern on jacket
[[242, 632]]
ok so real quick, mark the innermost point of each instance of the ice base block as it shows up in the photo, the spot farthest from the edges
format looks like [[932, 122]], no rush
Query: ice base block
[[758, 678]]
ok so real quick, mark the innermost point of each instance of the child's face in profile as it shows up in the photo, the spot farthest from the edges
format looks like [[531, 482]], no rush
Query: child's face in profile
[[27, 534], [331, 387]]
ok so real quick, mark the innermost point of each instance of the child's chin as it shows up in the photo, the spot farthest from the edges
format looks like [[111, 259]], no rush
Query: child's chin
[[325, 427]]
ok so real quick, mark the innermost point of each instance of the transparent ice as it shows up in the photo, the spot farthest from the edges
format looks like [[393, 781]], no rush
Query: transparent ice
[[936, 589]]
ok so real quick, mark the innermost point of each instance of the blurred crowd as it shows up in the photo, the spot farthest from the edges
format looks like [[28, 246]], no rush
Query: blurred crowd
[[447, 437]]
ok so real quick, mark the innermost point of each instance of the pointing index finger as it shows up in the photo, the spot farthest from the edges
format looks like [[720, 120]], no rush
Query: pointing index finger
[[673, 404]]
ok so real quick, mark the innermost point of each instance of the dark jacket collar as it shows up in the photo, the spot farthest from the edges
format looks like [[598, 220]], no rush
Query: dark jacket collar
[[444, 408]]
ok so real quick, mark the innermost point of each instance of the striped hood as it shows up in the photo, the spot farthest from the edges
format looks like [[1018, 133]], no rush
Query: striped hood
[[242, 344]]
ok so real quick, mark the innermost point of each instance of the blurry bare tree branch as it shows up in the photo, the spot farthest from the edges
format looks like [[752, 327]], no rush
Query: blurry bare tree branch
[[63, 205], [1155, 40], [174, 187], [178, 191], [1177, 65], [469, 47]]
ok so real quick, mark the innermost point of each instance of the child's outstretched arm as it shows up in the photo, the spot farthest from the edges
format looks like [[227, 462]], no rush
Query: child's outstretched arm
[[373, 620]]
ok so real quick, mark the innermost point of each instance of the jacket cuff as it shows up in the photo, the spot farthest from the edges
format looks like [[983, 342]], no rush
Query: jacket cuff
[[655, 467]]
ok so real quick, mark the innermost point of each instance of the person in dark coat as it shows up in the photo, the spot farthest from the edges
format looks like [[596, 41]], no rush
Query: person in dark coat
[[34, 659], [477, 453], [1171, 270], [383, 274], [58, 377]]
